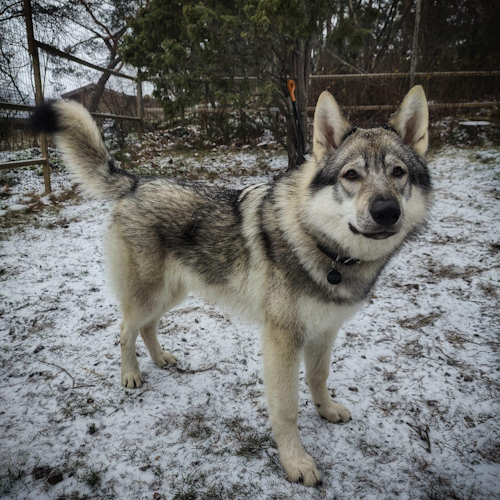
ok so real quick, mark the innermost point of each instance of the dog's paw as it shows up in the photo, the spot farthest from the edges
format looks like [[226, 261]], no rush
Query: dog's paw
[[132, 379], [301, 469], [165, 359], [334, 412]]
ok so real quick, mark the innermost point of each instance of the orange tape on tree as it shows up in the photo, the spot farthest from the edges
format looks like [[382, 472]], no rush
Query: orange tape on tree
[[291, 89]]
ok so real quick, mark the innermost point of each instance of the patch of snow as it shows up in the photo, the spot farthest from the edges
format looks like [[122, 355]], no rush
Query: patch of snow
[[46, 200], [29, 180], [479, 123], [267, 136], [17, 208]]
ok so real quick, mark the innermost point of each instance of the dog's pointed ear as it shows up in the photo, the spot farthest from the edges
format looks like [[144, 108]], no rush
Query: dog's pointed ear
[[411, 120], [330, 126]]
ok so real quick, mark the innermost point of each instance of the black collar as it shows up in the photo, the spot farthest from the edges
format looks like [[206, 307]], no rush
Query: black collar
[[337, 259], [334, 276]]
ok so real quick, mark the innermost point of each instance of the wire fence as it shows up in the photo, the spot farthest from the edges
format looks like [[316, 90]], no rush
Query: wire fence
[[451, 96], [34, 70], [378, 91]]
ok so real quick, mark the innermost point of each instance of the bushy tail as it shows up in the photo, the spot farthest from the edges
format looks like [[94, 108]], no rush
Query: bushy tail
[[77, 136]]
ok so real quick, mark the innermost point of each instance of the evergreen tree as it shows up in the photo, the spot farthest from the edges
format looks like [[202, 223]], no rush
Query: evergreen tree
[[228, 54]]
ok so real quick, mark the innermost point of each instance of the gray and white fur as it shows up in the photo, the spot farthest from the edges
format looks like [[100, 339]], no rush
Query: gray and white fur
[[362, 195]]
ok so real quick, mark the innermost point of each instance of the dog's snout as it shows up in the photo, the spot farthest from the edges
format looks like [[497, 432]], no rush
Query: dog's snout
[[385, 212]]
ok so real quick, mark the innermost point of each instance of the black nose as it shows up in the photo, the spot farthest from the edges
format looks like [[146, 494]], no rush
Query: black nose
[[385, 212]]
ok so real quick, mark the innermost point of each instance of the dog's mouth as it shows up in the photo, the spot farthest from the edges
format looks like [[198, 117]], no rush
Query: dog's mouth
[[379, 235]]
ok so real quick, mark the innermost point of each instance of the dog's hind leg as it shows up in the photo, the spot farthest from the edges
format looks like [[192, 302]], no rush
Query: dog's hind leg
[[317, 360], [143, 317], [150, 337], [281, 353]]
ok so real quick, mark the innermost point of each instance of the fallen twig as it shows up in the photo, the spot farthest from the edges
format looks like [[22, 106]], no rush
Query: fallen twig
[[213, 367], [423, 433], [62, 369], [91, 371]]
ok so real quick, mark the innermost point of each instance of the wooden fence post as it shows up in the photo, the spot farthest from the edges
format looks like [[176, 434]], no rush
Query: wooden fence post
[[33, 50], [414, 52], [140, 109]]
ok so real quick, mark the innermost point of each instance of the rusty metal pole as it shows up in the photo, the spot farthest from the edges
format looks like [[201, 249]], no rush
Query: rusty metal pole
[[33, 50], [414, 52], [140, 109]]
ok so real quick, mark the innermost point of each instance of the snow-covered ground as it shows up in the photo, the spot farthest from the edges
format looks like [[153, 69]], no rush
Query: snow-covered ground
[[418, 368]]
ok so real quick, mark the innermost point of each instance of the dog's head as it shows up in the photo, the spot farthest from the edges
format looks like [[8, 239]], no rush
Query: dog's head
[[371, 188]]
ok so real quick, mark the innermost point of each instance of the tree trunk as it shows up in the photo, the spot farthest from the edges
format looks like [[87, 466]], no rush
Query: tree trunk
[[299, 69], [101, 84], [290, 144]]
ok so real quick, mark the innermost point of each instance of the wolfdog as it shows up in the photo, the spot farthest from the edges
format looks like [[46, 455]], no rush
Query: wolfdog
[[299, 255]]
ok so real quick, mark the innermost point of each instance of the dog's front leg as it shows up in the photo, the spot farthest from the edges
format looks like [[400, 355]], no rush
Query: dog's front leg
[[282, 353], [317, 356], [131, 375]]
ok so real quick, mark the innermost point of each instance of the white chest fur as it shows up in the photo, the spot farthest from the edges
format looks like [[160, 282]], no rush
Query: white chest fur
[[320, 317]]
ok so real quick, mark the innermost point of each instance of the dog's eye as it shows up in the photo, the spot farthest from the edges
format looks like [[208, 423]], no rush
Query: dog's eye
[[398, 172], [351, 175]]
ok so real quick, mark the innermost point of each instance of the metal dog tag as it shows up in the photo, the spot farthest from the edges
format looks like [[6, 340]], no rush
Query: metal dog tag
[[334, 277]]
